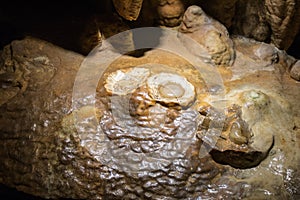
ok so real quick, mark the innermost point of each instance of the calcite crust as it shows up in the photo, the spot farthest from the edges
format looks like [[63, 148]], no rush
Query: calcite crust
[[156, 126]]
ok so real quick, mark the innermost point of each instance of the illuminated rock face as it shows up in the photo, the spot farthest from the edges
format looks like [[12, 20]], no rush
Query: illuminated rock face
[[210, 34], [163, 127], [170, 88], [170, 12], [158, 101]]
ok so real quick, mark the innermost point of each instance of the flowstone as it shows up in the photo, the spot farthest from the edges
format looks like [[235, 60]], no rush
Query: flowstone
[[157, 126]]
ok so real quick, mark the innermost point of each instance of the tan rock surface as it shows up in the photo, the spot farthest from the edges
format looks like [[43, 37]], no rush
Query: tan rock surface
[[44, 154]]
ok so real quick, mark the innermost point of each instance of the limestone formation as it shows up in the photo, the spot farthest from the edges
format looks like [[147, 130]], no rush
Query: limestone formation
[[123, 82], [210, 34], [242, 145], [161, 125], [223, 11], [169, 88], [295, 71], [254, 23], [284, 19], [129, 9], [267, 21], [170, 12], [100, 27], [149, 148]]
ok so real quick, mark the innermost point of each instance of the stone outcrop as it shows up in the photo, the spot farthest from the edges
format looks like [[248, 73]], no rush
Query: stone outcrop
[[277, 21], [201, 130]]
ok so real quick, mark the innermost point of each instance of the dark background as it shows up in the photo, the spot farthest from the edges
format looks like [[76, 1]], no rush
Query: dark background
[[294, 49], [7, 193], [56, 22], [59, 22]]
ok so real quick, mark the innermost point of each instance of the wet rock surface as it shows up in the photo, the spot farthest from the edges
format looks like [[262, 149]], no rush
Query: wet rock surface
[[43, 154], [157, 127]]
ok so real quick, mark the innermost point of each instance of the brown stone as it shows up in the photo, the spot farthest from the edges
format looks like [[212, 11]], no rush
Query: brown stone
[[129, 9], [210, 34], [295, 71], [51, 149]]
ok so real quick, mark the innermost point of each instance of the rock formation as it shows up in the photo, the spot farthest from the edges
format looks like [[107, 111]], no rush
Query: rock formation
[[172, 123], [209, 33], [149, 147], [277, 21]]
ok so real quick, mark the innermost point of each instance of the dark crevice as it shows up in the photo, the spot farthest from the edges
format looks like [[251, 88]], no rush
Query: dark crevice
[[294, 49], [11, 193]]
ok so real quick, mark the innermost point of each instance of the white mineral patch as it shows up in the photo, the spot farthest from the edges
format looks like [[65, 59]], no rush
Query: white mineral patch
[[123, 82], [171, 88]]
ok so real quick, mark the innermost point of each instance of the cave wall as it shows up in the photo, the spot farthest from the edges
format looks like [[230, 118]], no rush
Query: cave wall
[[62, 22]]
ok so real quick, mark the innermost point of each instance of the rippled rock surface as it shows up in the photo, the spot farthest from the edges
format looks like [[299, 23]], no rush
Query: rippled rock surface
[[239, 143]]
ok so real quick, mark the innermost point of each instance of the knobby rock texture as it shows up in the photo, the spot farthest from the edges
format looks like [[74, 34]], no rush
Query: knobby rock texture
[[42, 153], [276, 21]]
